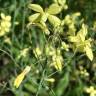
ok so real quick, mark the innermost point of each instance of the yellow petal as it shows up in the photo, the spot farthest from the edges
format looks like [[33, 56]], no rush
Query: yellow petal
[[21, 76], [83, 32], [26, 70], [2, 33], [58, 63], [34, 17], [8, 18], [36, 7], [2, 15], [18, 80], [65, 46], [55, 21], [73, 39], [54, 9], [44, 17], [89, 52]]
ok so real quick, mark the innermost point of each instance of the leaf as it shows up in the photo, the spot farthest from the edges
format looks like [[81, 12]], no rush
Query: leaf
[[54, 20], [89, 52], [54, 9], [30, 87], [33, 17], [62, 84], [36, 7]]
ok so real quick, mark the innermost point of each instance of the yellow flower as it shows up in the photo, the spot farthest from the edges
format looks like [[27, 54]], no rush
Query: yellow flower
[[57, 62], [7, 40], [91, 90], [80, 42], [83, 71], [50, 51], [23, 53], [65, 46], [5, 24], [21, 76]]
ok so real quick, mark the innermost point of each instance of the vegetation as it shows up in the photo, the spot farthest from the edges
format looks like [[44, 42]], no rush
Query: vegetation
[[47, 47]]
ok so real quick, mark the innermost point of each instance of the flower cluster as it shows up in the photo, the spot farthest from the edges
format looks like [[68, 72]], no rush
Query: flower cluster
[[56, 54], [83, 72], [80, 42], [57, 59], [91, 90], [5, 24]]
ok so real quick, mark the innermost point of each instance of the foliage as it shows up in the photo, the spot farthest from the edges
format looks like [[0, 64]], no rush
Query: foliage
[[47, 48]]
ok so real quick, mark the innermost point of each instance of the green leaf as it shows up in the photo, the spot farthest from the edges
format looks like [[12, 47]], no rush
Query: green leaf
[[89, 52], [30, 87], [36, 7], [62, 84], [54, 9], [54, 20], [34, 17]]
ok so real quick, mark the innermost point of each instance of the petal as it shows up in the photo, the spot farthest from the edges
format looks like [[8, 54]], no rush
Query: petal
[[18, 80], [36, 7], [89, 52]]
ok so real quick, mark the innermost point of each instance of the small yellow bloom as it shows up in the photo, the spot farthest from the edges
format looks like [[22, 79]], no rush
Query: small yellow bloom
[[21, 76], [91, 90], [65, 46], [23, 53], [7, 40], [57, 62], [5, 24], [50, 80], [83, 71], [50, 50]]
